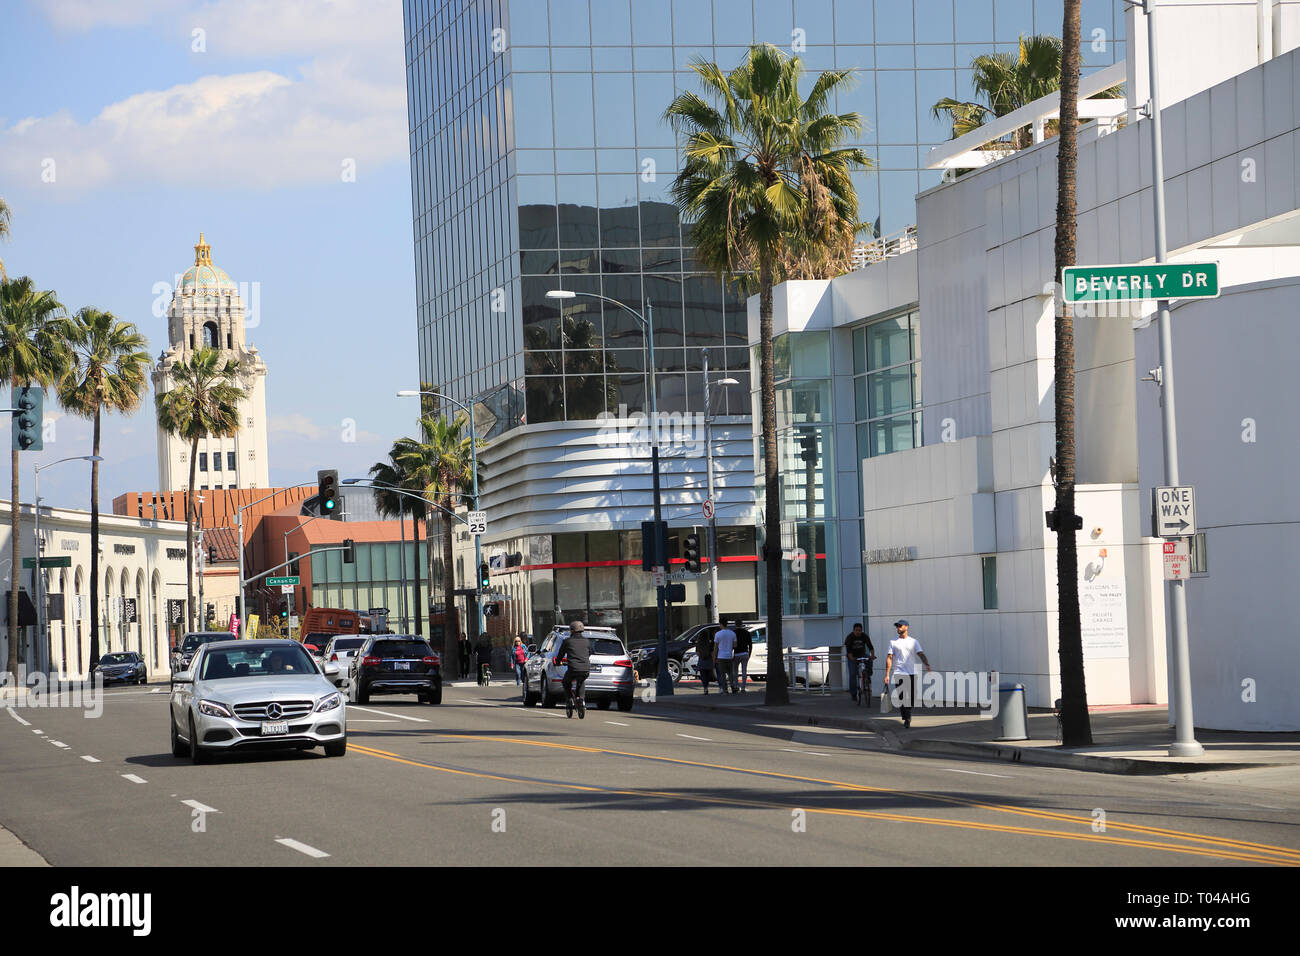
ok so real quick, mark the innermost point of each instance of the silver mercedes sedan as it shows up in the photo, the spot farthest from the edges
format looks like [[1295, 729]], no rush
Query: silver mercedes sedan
[[252, 695]]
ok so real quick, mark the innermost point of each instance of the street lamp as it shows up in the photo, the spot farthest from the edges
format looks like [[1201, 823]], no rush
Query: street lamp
[[713, 513], [43, 639], [480, 620], [664, 680]]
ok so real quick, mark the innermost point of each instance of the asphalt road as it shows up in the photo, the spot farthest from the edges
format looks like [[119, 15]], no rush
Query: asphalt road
[[482, 780]]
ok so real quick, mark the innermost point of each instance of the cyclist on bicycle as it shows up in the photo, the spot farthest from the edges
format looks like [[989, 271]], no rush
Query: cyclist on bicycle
[[483, 652], [861, 653], [577, 648]]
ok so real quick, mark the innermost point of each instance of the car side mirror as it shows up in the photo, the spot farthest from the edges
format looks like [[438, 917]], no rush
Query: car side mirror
[[331, 670], [532, 648], [184, 677]]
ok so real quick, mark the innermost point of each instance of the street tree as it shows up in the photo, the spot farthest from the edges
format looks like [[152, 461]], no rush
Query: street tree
[[107, 372], [391, 504], [766, 192], [202, 402]]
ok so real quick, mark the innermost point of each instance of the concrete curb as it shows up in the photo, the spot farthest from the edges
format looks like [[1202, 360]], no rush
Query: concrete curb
[[984, 750]]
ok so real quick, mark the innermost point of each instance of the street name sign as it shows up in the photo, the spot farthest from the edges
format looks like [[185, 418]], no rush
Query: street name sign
[[1178, 560], [1173, 511], [59, 561], [1171, 280], [478, 522], [281, 582]]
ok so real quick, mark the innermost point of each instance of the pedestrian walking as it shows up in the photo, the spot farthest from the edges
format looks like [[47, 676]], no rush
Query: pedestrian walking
[[518, 654], [744, 645], [704, 648], [900, 666], [724, 658], [861, 653], [466, 652]]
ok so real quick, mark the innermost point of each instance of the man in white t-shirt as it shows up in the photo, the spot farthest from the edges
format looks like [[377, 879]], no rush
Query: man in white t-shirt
[[901, 666], [724, 654]]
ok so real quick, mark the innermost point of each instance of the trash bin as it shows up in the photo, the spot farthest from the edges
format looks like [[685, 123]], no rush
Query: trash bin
[[1013, 715]]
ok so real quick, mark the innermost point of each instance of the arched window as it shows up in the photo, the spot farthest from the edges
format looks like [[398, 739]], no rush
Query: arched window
[[211, 337]]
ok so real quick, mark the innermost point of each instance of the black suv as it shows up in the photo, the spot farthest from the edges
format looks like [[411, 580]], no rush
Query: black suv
[[396, 664]]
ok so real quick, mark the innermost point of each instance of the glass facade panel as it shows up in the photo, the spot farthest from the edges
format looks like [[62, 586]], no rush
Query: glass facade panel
[[558, 143]]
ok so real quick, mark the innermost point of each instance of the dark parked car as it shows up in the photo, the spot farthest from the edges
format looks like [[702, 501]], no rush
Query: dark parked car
[[396, 664], [645, 654], [125, 666]]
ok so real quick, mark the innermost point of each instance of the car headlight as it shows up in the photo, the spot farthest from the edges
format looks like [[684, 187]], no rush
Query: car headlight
[[211, 708], [329, 703]]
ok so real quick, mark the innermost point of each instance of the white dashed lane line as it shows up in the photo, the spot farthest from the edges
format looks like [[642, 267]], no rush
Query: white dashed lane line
[[133, 778], [811, 753], [14, 715], [384, 713], [89, 759], [301, 848], [201, 807], [689, 737], [978, 774], [35, 731], [60, 744], [616, 723]]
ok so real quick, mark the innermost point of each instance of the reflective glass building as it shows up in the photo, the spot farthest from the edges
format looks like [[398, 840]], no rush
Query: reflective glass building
[[539, 157]]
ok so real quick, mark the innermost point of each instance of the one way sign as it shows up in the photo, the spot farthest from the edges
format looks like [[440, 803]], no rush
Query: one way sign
[[1173, 512]]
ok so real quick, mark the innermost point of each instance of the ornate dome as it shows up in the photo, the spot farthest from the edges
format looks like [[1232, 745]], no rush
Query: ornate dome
[[203, 276]]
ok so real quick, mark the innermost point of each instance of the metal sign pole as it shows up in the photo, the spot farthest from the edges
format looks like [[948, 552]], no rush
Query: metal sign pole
[[1185, 744]]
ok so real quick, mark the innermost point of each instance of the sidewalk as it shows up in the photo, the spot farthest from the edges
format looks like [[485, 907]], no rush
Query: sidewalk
[[1126, 740], [14, 852]]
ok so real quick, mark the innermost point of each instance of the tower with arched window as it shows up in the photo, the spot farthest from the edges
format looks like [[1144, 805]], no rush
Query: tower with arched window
[[209, 310]]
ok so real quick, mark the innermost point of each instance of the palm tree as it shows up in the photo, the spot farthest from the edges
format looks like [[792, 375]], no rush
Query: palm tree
[[1076, 730], [441, 464], [766, 188], [32, 352], [389, 503], [107, 371], [1008, 81], [203, 401], [4, 234]]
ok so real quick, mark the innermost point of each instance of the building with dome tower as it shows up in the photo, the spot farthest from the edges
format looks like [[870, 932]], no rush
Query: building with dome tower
[[207, 310]]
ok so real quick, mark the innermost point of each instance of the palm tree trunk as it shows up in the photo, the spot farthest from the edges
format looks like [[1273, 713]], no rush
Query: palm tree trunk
[[15, 526], [1076, 730], [415, 603], [777, 692], [94, 549], [449, 585], [189, 539]]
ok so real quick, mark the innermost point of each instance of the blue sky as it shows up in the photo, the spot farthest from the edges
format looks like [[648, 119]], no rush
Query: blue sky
[[126, 128]]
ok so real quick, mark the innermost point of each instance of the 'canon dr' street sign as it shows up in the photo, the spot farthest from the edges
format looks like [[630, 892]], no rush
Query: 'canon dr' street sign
[[1173, 512], [1171, 280]]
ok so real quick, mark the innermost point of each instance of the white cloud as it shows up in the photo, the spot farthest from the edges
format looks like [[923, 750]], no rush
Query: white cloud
[[258, 128], [298, 426]]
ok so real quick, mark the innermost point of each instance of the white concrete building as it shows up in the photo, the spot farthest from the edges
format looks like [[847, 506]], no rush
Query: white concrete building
[[954, 463], [141, 560], [207, 310]]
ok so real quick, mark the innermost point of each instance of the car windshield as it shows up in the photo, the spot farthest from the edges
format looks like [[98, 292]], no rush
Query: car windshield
[[108, 659], [194, 640], [389, 650], [256, 661]]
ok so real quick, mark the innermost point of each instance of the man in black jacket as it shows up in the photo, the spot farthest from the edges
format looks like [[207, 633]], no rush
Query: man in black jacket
[[577, 648], [861, 653]]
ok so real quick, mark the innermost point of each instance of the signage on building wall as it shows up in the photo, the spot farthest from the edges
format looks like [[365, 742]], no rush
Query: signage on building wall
[[176, 554], [1170, 280], [1103, 619], [129, 610], [69, 544], [887, 555], [124, 549], [175, 611]]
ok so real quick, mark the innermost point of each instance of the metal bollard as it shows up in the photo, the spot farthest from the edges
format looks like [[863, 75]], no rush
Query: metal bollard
[[1013, 715]]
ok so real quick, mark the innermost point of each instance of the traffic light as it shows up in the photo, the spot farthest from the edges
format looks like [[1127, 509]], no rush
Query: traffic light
[[691, 552], [484, 577], [349, 550], [1054, 524], [649, 555], [30, 405], [328, 491], [284, 608], [211, 611]]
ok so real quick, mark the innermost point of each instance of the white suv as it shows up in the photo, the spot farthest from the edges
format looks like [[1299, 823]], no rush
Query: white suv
[[612, 677]]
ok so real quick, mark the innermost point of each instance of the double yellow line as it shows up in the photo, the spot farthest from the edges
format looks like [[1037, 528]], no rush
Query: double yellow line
[[1216, 847]]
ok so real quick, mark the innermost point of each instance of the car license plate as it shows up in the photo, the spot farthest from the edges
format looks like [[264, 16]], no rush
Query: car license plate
[[270, 728], [402, 666]]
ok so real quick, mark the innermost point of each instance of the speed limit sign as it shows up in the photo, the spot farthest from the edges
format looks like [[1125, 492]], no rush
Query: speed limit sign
[[708, 509], [478, 522]]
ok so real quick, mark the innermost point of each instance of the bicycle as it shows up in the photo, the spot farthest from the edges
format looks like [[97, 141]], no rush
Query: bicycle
[[864, 682], [485, 675], [575, 699]]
